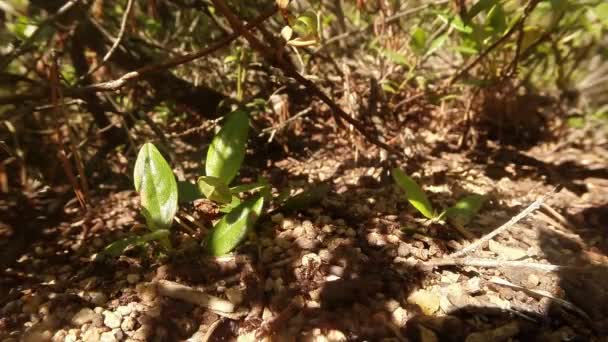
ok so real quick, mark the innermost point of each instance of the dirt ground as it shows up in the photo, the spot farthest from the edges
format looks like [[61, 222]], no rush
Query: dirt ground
[[355, 265]]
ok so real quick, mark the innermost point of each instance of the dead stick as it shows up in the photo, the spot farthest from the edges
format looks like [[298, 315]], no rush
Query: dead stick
[[494, 263], [535, 205], [188, 294]]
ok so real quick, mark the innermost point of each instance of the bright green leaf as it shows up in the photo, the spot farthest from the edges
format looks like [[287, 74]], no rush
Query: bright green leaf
[[228, 147], [214, 189], [234, 226], [234, 202], [414, 193], [157, 187], [418, 40], [465, 209]]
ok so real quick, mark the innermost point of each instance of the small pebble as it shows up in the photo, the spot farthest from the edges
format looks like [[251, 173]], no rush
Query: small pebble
[[132, 278], [111, 319]]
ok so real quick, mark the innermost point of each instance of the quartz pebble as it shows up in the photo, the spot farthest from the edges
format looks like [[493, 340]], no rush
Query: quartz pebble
[[112, 319]]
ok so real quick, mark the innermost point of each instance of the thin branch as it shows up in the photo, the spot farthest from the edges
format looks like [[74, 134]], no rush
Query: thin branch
[[275, 56], [535, 205], [121, 34], [492, 263], [136, 74]]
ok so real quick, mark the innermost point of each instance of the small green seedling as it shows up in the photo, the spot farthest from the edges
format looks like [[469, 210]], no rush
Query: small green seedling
[[459, 214], [160, 193], [155, 182]]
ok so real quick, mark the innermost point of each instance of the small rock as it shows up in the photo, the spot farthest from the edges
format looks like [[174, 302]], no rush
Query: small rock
[[98, 298], [143, 333], [533, 280], [111, 319], [399, 317], [234, 295], [71, 337], [350, 232], [277, 218], [334, 335], [473, 285], [391, 305], [108, 336], [325, 255], [267, 314], [147, 292], [133, 278], [128, 324], [124, 310], [91, 335], [85, 315], [60, 336], [287, 224], [426, 300], [376, 239], [306, 243], [328, 229]]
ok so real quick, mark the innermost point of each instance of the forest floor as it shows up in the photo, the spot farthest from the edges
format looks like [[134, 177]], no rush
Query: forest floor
[[357, 265]]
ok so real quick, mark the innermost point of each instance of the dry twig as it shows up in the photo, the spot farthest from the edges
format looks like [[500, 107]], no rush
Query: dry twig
[[188, 294], [535, 205], [136, 74], [121, 33]]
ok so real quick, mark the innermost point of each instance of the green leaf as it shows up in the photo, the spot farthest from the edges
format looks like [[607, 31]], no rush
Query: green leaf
[[214, 189], [418, 40], [601, 11], [188, 192], [235, 201], [116, 248], [465, 209], [157, 187], [496, 19], [228, 147], [414, 193], [305, 199], [253, 187], [234, 226], [306, 25]]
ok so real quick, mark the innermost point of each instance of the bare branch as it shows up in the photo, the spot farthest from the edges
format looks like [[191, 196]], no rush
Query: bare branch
[[121, 33]]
